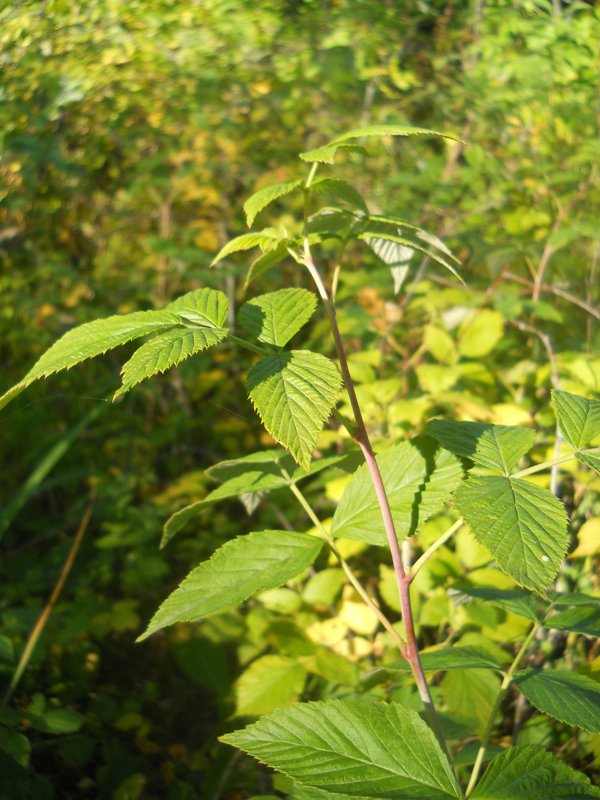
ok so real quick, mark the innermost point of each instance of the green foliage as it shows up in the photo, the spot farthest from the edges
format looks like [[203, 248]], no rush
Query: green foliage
[[579, 421], [294, 394], [365, 750], [572, 698], [236, 571], [275, 317], [529, 773], [418, 481], [522, 525]]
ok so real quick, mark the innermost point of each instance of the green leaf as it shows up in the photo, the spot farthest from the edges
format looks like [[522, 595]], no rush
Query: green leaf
[[93, 339], [264, 262], [238, 569], [263, 197], [264, 239], [566, 696], [326, 154], [418, 481], [205, 308], [362, 749], [269, 683], [373, 236], [515, 601], [523, 526], [250, 475], [294, 394], [480, 333], [388, 130], [470, 696], [275, 317], [450, 658], [530, 773], [342, 190], [577, 620], [165, 351], [496, 447], [579, 422]]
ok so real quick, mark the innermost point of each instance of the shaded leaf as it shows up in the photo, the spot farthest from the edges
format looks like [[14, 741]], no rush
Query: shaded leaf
[[515, 601], [238, 569], [566, 696], [530, 773], [496, 447], [342, 190], [523, 526], [271, 258], [362, 749], [577, 620], [294, 394], [269, 683], [418, 480], [451, 658]]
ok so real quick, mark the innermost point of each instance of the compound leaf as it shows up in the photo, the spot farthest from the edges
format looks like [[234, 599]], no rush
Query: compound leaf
[[521, 524], [566, 696], [92, 339], [294, 394], [530, 773], [360, 749], [342, 190], [418, 481], [275, 317], [263, 197], [238, 569]]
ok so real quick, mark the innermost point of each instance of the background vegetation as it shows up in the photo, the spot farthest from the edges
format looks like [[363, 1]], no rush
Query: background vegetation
[[131, 132]]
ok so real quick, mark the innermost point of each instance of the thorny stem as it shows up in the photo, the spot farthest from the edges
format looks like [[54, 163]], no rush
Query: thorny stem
[[501, 694], [342, 561], [403, 579]]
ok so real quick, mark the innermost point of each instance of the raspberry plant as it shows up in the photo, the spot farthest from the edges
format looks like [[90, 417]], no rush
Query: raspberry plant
[[358, 747]]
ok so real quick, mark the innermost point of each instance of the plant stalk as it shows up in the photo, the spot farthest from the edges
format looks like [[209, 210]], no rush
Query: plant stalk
[[43, 618], [456, 526], [503, 689], [403, 579]]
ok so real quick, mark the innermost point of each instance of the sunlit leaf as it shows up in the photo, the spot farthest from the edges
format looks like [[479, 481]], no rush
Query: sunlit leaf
[[275, 317]]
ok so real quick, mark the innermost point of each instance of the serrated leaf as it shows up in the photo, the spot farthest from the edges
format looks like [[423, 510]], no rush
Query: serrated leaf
[[576, 620], [496, 447], [275, 317], [566, 696], [450, 658], [515, 601], [388, 130], [294, 394], [362, 749], [334, 187], [90, 340], [418, 481], [205, 307], [251, 475], [530, 773], [264, 262], [523, 526], [238, 569], [264, 239], [579, 422], [165, 351], [263, 197], [326, 154], [269, 683]]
